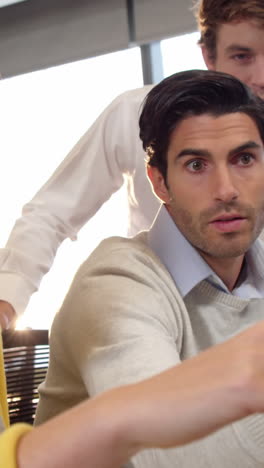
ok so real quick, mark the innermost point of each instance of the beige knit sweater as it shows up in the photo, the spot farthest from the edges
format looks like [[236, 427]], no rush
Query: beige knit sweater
[[124, 320]]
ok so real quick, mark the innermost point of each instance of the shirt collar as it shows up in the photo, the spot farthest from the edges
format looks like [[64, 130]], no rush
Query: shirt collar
[[255, 258], [185, 264], [181, 259]]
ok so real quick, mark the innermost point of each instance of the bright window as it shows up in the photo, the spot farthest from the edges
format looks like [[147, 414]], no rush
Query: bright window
[[43, 114], [181, 53]]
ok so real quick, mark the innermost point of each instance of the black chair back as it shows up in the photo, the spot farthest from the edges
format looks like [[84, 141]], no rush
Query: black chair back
[[26, 358]]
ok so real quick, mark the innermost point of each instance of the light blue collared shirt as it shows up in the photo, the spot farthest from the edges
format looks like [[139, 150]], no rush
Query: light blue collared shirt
[[188, 268]]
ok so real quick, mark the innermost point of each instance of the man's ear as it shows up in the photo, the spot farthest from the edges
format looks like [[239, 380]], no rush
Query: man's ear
[[209, 62], [158, 184]]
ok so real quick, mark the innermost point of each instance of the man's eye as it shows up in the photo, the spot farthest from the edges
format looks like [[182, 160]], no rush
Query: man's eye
[[195, 166], [242, 57], [245, 159]]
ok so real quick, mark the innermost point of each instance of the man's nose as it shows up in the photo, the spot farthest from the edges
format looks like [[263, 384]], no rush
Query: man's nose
[[224, 188]]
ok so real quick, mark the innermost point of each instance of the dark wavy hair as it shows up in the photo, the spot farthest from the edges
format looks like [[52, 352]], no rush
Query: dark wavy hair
[[191, 93]]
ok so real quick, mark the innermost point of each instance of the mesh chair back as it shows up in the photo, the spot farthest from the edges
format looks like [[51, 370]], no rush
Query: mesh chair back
[[26, 357]]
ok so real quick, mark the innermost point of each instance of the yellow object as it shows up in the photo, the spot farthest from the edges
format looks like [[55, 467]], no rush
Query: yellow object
[[3, 397], [11, 435]]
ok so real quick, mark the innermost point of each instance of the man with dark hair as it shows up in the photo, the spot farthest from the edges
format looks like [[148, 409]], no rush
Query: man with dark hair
[[139, 306], [110, 152]]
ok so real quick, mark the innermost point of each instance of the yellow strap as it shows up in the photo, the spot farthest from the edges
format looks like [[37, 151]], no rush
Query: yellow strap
[[9, 440], [3, 395]]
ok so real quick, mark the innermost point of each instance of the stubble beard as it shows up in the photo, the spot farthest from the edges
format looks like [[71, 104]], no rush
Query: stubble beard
[[219, 245]]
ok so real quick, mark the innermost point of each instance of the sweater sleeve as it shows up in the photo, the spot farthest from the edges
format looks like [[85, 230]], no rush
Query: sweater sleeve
[[112, 329], [8, 444], [90, 174]]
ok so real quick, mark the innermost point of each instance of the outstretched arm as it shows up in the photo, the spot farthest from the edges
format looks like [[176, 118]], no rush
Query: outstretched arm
[[132, 330], [187, 402]]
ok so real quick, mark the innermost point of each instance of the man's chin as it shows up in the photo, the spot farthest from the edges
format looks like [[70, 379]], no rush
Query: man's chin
[[227, 249]]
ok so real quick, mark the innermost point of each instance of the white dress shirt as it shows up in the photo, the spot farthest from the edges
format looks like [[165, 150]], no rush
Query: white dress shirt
[[109, 153]]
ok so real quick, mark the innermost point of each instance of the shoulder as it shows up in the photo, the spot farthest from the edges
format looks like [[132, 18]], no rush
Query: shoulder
[[123, 272], [122, 288], [121, 255]]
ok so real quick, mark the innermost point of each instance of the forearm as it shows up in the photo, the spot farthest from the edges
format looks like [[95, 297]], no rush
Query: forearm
[[183, 404], [93, 433], [168, 410], [174, 408]]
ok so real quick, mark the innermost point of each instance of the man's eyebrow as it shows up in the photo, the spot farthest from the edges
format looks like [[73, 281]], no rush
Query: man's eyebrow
[[205, 153], [237, 48], [192, 152], [246, 146]]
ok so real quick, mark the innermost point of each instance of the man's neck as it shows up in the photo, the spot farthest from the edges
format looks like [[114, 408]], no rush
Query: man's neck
[[228, 269]]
